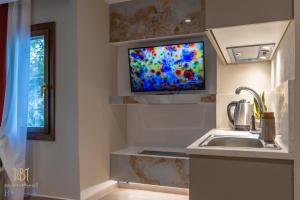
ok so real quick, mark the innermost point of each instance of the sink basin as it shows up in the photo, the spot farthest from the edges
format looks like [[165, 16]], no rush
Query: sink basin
[[236, 141]]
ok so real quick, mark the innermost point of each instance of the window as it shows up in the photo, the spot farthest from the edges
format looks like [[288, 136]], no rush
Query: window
[[41, 99]]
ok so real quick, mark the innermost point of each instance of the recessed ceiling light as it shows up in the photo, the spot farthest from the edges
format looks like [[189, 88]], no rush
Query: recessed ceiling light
[[267, 48], [263, 57], [188, 21]]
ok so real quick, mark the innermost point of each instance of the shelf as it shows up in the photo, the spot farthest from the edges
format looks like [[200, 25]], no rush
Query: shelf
[[157, 39], [163, 99]]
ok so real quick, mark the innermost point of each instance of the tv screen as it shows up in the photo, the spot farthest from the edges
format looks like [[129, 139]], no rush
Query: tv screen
[[175, 67]]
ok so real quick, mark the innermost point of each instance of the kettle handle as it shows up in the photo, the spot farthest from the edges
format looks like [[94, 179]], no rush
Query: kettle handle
[[230, 117]]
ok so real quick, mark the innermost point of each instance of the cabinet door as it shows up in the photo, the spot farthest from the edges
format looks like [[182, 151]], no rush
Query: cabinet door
[[220, 13], [220, 178]]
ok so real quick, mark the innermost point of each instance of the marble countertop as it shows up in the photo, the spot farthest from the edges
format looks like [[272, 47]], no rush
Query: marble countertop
[[195, 149]]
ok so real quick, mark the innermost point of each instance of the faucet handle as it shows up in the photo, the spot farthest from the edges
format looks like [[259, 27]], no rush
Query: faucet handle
[[252, 127]]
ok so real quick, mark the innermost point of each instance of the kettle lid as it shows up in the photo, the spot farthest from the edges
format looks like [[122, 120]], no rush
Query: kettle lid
[[244, 101]]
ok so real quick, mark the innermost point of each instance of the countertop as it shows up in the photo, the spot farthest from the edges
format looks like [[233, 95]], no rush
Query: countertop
[[195, 149]]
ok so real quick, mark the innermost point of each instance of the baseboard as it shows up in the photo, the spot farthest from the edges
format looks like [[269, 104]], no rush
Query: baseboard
[[154, 188], [98, 191], [43, 197]]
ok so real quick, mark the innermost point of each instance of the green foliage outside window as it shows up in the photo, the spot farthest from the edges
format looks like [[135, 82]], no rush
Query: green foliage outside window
[[36, 101]]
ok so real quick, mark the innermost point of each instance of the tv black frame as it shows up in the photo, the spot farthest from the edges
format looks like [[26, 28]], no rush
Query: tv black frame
[[203, 88]]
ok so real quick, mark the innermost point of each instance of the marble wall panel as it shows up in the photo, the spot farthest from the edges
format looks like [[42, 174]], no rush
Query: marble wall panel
[[282, 106], [164, 171], [134, 20], [282, 86]]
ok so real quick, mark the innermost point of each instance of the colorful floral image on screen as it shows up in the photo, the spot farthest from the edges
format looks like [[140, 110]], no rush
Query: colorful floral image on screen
[[167, 68]]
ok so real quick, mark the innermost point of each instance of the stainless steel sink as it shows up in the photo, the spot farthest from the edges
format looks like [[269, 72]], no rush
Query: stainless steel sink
[[236, 141]]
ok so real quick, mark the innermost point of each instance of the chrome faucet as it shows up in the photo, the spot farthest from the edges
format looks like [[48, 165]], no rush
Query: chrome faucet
[[257, 97]]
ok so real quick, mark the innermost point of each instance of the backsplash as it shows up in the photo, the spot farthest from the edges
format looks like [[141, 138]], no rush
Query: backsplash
[[281, 105], [134, 20], [169, 125], [282, 82], [229, 77]]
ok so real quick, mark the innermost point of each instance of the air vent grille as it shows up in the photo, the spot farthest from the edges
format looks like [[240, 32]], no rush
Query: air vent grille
[[253, 53]]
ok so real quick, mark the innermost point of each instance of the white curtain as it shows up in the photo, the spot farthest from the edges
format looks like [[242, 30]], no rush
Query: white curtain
[[14, 123], [6, 1]]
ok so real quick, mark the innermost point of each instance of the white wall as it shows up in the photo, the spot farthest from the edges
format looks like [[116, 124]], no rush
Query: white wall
[[102, 127], [229, 77], [55, 165], [85, 77], [297, 99], [168, 125]]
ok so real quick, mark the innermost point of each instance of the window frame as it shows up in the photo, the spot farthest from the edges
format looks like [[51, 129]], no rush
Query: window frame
[[48, 132]]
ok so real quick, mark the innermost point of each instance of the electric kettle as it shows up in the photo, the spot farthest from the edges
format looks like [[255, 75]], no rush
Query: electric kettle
[[240, 114]]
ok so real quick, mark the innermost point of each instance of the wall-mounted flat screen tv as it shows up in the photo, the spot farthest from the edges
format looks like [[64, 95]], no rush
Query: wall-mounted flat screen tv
[[176, 67]]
